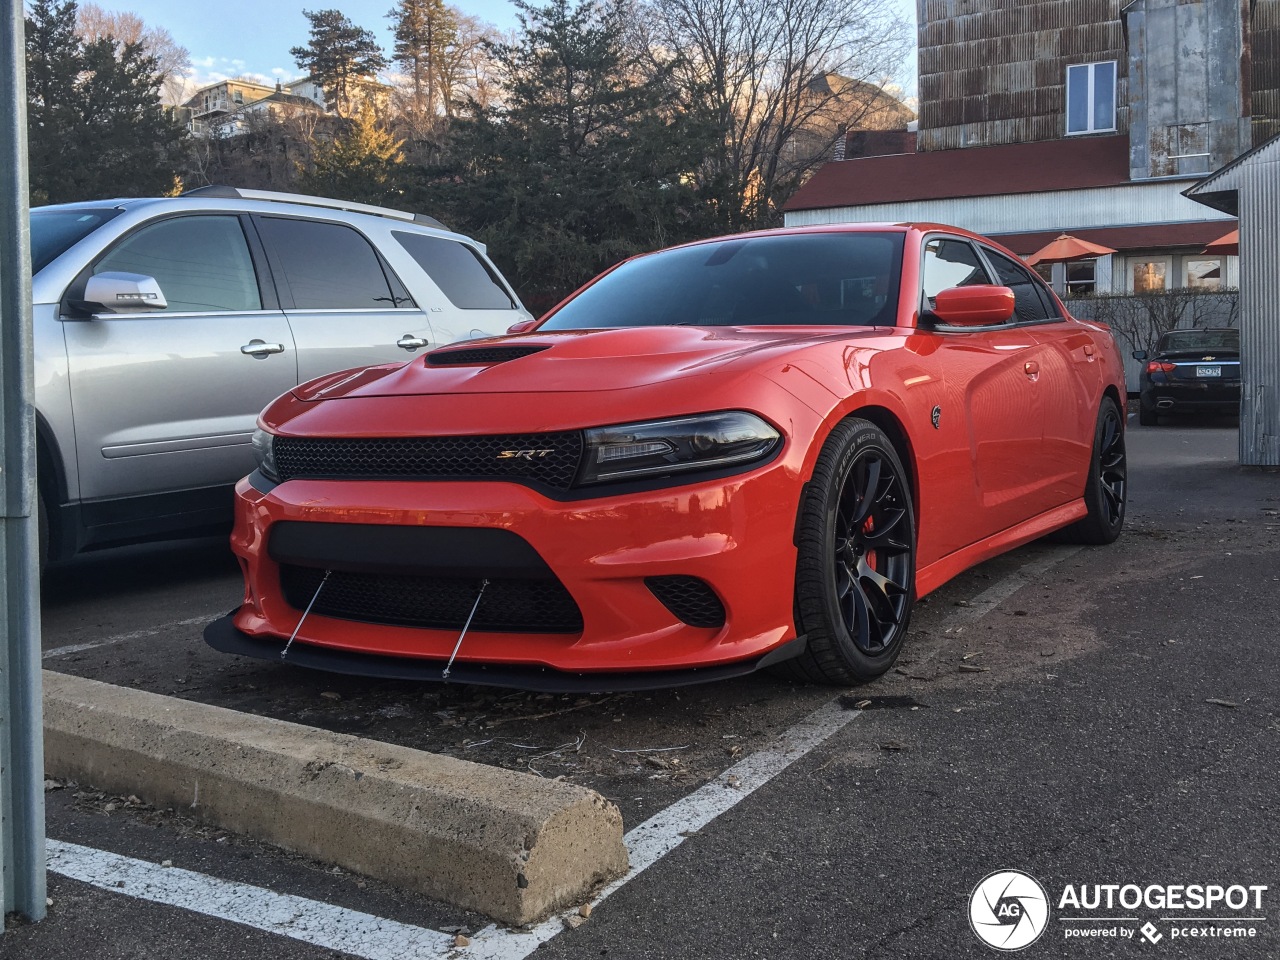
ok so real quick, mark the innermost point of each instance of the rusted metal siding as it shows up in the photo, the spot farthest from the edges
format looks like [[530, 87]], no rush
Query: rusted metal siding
[[996, 72], [1265, 69], [1258, 183], [1187, 112]]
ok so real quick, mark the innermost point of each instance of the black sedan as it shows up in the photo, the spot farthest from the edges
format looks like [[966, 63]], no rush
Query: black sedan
[[1191, 371]]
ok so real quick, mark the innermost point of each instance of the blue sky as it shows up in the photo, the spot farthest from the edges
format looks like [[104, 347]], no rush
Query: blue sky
[[241, 37]]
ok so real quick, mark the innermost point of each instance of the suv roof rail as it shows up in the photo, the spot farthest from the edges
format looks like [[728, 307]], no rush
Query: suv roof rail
[[237, 193]]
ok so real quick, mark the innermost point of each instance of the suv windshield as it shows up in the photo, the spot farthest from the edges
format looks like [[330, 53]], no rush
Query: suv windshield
[[817, 278], [1200, 340], [54, 231]]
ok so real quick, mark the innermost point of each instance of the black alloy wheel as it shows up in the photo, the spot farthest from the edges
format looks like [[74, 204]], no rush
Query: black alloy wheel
[[855, 570], [1107, 488]]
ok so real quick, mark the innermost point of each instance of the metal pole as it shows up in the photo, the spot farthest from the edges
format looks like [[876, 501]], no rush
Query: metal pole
[[22, 854]]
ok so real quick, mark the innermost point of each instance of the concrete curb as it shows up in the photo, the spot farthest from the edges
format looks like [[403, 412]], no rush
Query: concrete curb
[[509, 845]]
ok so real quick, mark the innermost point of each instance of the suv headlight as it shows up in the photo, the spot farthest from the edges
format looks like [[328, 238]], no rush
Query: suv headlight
[[264, 451], [653, 448]]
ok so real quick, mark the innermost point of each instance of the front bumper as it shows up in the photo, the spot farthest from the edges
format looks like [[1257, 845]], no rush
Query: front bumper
[[735, 535]]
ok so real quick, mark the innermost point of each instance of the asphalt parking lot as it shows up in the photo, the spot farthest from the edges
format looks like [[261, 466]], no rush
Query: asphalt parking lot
[[1089, 716]]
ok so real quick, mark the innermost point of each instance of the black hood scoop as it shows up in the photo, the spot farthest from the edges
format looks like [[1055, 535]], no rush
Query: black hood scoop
[[480, 356]]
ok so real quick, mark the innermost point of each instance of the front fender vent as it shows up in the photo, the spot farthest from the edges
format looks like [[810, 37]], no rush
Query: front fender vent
[[479, 356]]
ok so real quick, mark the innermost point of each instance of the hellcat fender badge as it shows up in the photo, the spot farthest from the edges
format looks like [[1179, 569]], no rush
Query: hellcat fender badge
[[936, 417]]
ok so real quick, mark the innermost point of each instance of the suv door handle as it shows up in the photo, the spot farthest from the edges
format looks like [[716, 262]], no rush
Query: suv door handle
[[260, 349], [410, 342]]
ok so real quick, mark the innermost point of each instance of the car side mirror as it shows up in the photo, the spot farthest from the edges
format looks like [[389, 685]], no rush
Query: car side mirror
[[113, 292], [1139, 354], [976, 306], [522, 326]]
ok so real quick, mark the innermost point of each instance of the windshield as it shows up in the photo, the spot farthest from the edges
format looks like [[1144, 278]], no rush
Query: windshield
[[1200, 340], [56, 230], [817, 278]]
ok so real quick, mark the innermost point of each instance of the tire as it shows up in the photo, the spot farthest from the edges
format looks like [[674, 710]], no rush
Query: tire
[[1106, 490], [855, 568], [1148, 418]]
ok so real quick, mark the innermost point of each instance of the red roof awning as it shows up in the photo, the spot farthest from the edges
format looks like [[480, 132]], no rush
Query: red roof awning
[[972, 172], [1158, 236]]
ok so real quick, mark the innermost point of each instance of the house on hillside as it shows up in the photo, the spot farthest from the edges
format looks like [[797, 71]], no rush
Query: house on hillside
[[1089, 117], [221, 109], [225, 108]]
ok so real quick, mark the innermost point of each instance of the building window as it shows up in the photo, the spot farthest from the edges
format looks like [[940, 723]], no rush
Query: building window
[[1091, 97], [1150, 276], [1082, 278], [1204, 274]]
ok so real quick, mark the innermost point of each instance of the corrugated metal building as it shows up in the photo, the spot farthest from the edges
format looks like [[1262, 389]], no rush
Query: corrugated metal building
[[1249, 188]]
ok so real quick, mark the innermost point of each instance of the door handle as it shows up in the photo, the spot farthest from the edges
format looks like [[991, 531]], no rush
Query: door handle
[[1031, 369], [260, 348], [410, 342], [1088, 351]]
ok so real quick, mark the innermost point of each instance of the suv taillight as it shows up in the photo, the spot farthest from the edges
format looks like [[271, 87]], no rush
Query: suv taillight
[[1160, 366]]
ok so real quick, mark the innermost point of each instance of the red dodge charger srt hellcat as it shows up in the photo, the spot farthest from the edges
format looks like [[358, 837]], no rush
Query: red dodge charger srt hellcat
[[748, 451]]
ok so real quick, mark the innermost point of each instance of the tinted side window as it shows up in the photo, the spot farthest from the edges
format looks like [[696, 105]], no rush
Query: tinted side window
[[201, 263], [456, 269], [1032, 301], [951, 263], [327, 266]]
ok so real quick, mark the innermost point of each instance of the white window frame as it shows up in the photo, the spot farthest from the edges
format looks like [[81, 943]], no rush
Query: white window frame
[[1091, 73]]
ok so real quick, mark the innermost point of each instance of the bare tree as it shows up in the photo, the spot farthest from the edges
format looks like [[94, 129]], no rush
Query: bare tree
[[765, 71], [467, 72], [1139, 319], [173, 60]]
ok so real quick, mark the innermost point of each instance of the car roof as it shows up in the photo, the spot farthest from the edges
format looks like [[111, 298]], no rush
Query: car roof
[[255, 200]]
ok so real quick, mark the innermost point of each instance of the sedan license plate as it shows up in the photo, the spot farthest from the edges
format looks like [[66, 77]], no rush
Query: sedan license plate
[[1214, 371]]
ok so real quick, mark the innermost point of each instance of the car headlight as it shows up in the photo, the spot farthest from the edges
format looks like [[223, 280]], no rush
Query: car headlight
[[653, 448], [264, 451]]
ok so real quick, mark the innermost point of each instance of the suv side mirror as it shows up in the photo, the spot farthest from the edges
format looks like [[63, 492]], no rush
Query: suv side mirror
[[981, 305], [1139, 354], [124, 293]]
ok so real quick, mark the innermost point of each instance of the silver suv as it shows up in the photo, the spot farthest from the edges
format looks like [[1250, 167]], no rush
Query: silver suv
[[162, 327]]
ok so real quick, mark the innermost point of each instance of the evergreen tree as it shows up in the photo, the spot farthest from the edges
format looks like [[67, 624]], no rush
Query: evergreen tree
[[338, 57], [582, 161], [425, 31], [96, 126], [362, 163]]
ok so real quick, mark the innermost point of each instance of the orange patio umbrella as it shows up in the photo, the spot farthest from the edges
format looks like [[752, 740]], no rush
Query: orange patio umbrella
[[1067, 248], [1227, 245]]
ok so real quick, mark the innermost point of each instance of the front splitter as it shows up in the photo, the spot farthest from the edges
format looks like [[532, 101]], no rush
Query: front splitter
[[225, 637]]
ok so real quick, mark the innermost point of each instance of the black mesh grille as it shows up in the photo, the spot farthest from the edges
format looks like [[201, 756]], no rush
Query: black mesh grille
[[479, 355], [548, 458], [689, 598], [517, 606]]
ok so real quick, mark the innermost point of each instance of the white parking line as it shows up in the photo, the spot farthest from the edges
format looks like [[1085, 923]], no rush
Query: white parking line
[[133, 635], [660, 834], [336, 928], [363, 935], [373, 938]]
